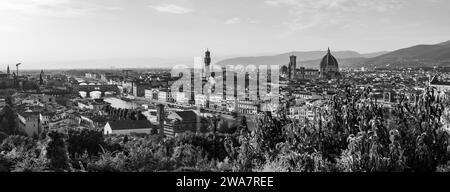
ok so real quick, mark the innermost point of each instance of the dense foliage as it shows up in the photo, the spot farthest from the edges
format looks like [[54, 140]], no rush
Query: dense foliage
[[9, 123]]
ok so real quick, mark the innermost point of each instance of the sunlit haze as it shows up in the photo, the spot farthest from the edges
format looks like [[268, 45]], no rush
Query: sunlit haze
[[41, 32]]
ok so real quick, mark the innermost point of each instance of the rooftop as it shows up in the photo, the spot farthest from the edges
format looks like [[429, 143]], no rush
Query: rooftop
[[130, 124]]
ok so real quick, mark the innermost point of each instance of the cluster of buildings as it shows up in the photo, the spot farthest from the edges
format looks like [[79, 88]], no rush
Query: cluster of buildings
[[328, 69], [37, 113], [304, 92], [204, 99]]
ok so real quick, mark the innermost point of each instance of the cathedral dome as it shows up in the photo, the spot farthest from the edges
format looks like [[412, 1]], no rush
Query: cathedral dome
[[328, 61]]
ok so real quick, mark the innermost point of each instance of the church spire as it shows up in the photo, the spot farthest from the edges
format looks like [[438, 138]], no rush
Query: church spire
[[7, 70]]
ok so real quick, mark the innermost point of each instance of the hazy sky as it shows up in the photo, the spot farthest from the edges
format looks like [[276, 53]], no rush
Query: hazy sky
[[33, 31]]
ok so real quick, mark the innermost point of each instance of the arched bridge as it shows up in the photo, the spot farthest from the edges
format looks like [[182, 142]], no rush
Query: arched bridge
[[100, 88]]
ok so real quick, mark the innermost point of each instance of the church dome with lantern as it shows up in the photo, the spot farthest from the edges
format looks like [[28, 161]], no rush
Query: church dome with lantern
[[329, 61], [329, 66]]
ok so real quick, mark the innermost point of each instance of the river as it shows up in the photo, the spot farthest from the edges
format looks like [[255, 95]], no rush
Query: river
[[119, 103]]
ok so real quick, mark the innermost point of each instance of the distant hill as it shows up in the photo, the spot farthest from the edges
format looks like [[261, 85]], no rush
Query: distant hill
[[447, 43], [309, 59], [343, 63], [282, 59], [376, 54], [415, 56]]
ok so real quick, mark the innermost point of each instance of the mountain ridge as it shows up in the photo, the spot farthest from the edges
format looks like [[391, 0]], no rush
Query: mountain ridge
[[423, 55], [306, 58]]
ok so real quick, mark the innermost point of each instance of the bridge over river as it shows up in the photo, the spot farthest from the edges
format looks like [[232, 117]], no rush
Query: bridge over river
[[99, 88]]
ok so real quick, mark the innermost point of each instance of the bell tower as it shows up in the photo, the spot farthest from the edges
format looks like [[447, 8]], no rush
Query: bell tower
[[207, 61], [292, 67]]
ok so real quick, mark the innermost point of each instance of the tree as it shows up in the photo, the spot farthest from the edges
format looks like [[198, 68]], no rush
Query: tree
[[9, 122], [3, 136], [108, 162], [186, 155], [56, 151], [31, 163], [4, 164], [243, 128], [17, 141], [268, 134], [81, 140]]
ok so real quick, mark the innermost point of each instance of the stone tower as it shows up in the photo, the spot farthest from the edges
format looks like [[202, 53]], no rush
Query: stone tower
[[207, 61], [292, 67]]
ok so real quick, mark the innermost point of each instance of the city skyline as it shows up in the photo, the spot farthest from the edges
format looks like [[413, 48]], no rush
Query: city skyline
[[224, 88], [38, 33]]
